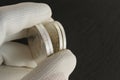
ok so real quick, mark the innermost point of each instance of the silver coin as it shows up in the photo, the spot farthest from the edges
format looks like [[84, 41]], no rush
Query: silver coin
[[55, 35], [63, 34], [40, 42]]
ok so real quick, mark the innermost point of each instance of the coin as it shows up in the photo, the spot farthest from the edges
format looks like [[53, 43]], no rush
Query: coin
[[40, 42]]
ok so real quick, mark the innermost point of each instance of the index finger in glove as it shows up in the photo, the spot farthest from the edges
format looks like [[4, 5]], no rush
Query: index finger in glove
[[14, 18]]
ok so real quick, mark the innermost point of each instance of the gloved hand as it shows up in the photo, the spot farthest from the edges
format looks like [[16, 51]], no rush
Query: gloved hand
[[15, 18]]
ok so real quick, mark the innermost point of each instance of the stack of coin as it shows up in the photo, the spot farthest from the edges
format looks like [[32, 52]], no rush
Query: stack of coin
[[46, 39]]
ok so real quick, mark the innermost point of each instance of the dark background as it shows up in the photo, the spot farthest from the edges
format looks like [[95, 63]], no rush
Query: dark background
[[93, 34]]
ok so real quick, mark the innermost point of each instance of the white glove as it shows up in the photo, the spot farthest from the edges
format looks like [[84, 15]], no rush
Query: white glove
[[57, 67], [15, 18]]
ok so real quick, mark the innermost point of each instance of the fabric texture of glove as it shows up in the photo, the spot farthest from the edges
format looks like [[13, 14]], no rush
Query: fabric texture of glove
[[56, 67], [16, 54], [15, 18]]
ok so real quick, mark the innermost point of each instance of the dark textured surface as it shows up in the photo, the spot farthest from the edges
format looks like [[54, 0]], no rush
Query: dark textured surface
[[93, 34]]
